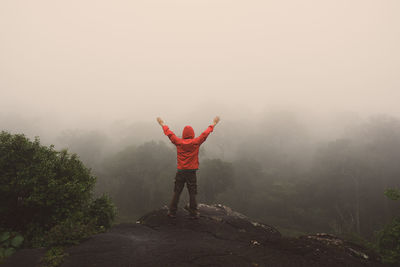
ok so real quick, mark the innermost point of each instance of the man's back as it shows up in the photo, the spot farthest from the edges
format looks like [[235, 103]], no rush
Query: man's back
[[187, 148]]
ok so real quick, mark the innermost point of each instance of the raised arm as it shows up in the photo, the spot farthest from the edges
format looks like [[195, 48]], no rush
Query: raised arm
[[167, 131], [199, 140]]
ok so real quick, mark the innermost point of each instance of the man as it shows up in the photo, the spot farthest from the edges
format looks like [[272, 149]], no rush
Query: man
[[188, 163]]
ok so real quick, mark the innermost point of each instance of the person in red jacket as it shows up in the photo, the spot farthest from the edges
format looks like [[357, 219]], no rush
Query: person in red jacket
[[187, 149]]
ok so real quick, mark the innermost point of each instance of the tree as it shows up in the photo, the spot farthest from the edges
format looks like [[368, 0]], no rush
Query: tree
[[350, 173], [215, 177], [41, 187], [389, 237], [139, 178]]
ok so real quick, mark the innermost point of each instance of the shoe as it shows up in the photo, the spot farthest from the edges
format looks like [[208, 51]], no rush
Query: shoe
[[187, 208], [193, 214]]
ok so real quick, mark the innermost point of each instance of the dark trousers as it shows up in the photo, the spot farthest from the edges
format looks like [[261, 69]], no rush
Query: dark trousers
[[182, 177]]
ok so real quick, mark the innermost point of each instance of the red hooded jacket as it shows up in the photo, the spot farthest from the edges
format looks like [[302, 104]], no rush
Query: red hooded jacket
[[187, 147]]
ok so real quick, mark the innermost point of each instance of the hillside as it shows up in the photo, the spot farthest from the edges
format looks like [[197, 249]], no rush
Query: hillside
[[221, 237]]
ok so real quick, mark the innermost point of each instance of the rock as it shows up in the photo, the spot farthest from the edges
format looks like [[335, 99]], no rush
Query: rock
[[348, 247], [218, 220], [220, 237]]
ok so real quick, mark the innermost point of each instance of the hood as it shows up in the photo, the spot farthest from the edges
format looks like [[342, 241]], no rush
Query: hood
[[188, 132]]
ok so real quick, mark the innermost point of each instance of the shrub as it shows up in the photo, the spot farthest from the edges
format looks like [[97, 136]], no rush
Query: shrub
[[102, 211], [388, 241], [98, 216], [68, 232], [46, 193], [9, 242], [393, 194], [54, 257]]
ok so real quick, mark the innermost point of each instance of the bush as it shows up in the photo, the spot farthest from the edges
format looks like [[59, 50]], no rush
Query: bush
[[95, 219], [102, 211], [9, 242], [393, 194], [389, 242], [54, 257], [46, 193], [68, 232]]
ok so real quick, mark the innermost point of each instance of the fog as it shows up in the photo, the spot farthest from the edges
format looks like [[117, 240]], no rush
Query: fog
[[289, 79], [91, 62]]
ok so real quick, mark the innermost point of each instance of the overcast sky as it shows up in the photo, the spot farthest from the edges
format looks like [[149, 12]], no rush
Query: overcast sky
[[110, 60]]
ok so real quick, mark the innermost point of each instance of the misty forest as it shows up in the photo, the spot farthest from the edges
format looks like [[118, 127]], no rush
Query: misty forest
[[295, 155], [274, 171], [279, 168]]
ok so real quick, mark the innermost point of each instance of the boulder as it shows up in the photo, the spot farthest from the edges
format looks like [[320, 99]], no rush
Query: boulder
[[220, 237]]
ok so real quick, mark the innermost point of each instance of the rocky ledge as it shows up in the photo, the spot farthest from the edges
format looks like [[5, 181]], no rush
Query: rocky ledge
[[220, 237]]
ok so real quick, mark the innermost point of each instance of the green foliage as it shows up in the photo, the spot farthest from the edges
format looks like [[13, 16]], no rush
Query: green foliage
[[389, 242], [6, 252], [102, 211], [39, 185], [95, 219], [47, 195], [54, 257], [17, 241], [4, 236], [69, 232], [393, 194], [9, 243], [388, 239]]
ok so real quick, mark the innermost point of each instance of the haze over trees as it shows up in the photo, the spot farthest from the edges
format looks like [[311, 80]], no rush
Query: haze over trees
[[280, 169]]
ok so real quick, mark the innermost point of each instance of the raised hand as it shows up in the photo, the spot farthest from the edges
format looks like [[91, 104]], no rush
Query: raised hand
[[216, 120], [160, 121]]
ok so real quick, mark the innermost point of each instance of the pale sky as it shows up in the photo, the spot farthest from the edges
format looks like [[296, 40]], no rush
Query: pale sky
[[110, 60]]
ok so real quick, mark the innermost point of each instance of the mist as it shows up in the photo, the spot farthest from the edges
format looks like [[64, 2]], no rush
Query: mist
[[299, 85], [86, 62]]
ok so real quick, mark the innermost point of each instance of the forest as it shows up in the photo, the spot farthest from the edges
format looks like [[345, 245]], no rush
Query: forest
[[278, 172]]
